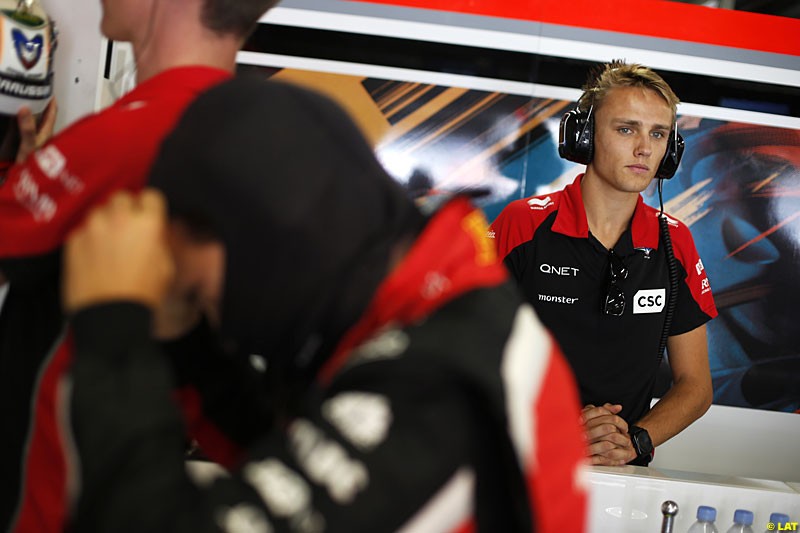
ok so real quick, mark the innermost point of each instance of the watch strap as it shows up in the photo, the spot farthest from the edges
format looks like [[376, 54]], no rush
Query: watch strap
[[643, 445]]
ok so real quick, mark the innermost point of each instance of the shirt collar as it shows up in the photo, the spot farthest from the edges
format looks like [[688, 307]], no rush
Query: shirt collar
[[193, 77], [571, 218], [450, 257]]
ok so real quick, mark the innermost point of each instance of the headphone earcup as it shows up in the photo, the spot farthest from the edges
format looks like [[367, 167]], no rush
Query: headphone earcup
[[575, 136], [672, 157]]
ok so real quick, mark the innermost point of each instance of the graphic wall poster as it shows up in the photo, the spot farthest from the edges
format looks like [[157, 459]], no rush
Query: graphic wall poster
[[738, 189], [472, 101]]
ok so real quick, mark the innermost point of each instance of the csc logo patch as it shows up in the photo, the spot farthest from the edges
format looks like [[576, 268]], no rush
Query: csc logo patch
[[649, 301]]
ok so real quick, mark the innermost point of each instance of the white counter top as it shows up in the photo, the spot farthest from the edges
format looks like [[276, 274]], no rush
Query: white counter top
[[628, 499]]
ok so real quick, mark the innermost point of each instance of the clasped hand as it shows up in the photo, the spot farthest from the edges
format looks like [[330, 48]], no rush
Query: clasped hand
[[607, 435]]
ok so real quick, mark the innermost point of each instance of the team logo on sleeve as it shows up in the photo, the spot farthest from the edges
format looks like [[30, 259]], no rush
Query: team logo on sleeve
[[326, 462], [243, 518], [539, 204], [705, 286], [29, 51], [51, 161], [363, 418], [283, 490], [699, 267], [649, 301]]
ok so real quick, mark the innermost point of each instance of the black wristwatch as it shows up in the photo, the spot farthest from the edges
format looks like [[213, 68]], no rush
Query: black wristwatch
[[640, 439]]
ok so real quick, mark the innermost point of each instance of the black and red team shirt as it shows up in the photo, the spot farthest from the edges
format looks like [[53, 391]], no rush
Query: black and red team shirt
[[41, 200], [564, 272], [447, 407]]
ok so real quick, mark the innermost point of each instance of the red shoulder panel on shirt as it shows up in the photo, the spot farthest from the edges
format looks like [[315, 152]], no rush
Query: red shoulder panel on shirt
[[518, 221]]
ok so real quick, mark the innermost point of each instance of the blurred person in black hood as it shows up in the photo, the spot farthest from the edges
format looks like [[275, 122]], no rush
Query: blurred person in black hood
[[355, 364]]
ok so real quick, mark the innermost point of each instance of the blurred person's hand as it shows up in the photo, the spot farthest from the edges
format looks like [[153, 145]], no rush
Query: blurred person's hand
[[120, 253], [33, 135]]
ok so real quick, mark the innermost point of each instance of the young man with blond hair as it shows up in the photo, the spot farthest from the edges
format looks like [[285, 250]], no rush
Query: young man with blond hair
[[593, 260]]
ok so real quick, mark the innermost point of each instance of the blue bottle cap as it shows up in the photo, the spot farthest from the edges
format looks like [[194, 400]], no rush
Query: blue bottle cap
[[743, 516], [706, 513], [778, 518]]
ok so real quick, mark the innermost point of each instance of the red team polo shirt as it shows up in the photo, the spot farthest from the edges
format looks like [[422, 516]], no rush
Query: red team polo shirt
[[40, 202], [563, 271]]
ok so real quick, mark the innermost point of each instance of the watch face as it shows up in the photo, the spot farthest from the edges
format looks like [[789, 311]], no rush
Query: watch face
[[641, 441]]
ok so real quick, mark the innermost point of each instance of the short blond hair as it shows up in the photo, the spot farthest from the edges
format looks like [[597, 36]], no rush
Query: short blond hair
[[618, 73]]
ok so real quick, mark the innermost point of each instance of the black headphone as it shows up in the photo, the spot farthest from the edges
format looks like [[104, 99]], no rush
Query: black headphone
[[576, 142]]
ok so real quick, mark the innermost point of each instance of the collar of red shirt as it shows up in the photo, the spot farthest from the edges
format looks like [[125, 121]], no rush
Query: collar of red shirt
[[571, 218], [451, 256]]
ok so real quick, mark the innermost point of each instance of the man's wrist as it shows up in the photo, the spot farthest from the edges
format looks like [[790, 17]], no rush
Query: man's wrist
[[642, 444], [100, 329]]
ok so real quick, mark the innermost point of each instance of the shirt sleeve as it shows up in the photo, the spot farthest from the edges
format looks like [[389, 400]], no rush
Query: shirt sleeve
[[512, 227], [48, 194], [369, 455], [28, 272], [695, 302]]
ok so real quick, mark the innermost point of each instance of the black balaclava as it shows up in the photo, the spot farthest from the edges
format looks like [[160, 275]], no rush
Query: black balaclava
[[307, 215]]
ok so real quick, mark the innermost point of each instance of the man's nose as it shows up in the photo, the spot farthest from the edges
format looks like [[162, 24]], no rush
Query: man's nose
[[644, 145]]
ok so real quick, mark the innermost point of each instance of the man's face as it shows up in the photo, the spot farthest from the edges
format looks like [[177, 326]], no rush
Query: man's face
[[631, 130], [125, 20], [199, 270]]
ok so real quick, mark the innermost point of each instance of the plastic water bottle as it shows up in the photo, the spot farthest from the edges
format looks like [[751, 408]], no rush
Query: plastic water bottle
[[705, 520], [778, 519], [742, 520]]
